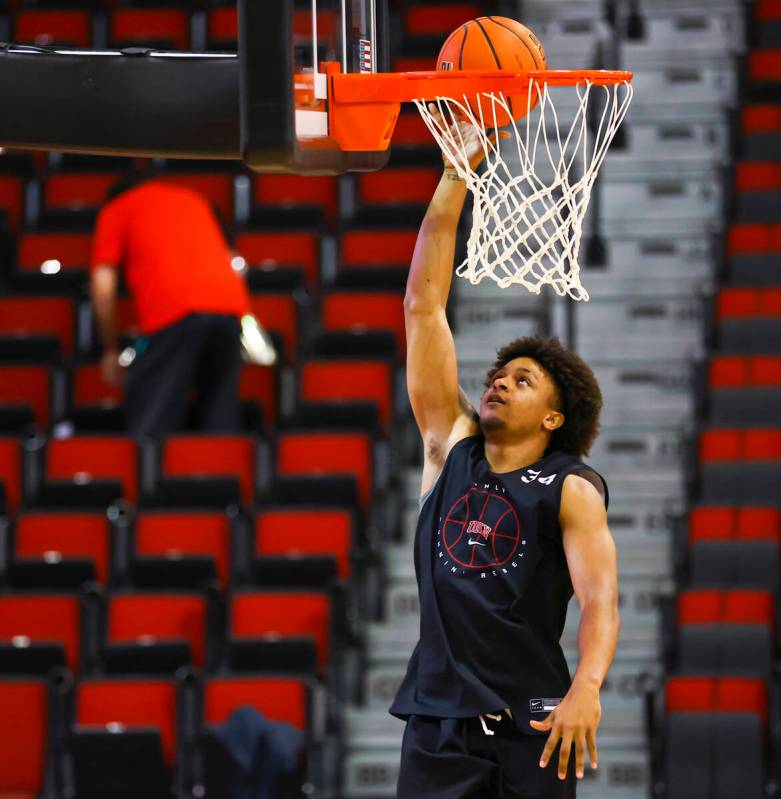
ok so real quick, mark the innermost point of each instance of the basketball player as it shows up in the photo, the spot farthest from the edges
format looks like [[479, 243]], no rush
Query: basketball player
[[511, 521]]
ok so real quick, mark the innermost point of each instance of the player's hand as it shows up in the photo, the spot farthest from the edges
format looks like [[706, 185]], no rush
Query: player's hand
[[574, 721], [112, 372], [469, 141]]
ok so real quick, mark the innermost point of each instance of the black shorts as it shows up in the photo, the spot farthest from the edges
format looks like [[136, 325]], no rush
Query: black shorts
[[456, 759]]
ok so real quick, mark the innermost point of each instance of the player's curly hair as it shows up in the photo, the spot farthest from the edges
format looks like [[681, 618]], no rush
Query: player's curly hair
[[579, 395]]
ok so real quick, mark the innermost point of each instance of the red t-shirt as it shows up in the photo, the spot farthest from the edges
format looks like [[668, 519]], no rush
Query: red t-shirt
[[173, 254]]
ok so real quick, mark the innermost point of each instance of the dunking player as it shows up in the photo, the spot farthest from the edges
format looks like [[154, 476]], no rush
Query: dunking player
[[511, 521]]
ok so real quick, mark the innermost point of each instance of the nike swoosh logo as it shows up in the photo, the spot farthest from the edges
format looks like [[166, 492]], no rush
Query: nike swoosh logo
[[479, 543]]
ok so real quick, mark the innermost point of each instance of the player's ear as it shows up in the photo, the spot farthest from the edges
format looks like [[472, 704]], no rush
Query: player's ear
[[553, 420]]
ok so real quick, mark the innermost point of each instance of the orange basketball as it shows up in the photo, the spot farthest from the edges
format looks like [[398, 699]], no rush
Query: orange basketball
[[492, 43]]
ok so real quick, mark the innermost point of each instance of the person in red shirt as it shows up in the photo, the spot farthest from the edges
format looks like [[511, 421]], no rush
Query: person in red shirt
[[175, 261]]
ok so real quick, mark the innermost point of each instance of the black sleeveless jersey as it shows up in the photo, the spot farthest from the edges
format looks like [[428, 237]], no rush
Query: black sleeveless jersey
[[494, 588]]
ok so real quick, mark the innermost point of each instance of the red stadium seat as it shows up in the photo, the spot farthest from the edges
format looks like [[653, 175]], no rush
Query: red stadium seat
[[222, 27], [282, 613], [89, 388], [39, 252], [433, 19], [761, 118], [359, 310], [295, 191], [398, 186], [27, 385], [721, 522], [729, 607], [176, 534], [350, 380], [169, 27], [277, 250], [697, 694], [318, 453], [412, 63], [69, 535], [767, 10], [765, 65], [736, 371], [259, 384], [742, 302], [277, 698], [361, 248], [24, 725], [753, 444], [321, 531], [758, 176], [71, 27], [43, 618], [11, 471], [149, 618], [77, 191], [199, 456], [12, 200], [38, 316], [753, 238], [132, 703], [411, 131], [90, 457], [278, 313], [215, 188]]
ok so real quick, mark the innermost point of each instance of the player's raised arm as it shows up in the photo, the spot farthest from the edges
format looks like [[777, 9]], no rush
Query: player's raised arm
[[442, 411]]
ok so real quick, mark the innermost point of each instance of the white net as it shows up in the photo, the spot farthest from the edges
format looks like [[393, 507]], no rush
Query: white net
[[531, 194]]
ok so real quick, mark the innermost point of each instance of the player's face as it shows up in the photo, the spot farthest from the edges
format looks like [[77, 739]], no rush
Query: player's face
[[519, 398]]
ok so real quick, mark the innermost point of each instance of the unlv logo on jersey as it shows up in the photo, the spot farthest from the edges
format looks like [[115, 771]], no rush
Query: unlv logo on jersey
[[481, 531]]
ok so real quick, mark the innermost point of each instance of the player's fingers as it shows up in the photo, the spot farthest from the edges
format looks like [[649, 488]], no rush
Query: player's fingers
[[543, 725], [564, 753], [580, 756], [550, 746], [591, 740]]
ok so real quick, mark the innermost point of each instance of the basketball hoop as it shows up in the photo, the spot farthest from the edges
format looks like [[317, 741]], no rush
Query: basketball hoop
[[529, 197]]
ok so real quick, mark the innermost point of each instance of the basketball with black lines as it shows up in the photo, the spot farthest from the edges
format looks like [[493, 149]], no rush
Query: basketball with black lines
[[494, 43], [481, 530]]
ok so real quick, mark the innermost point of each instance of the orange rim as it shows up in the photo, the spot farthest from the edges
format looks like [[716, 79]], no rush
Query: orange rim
[[404, 87]]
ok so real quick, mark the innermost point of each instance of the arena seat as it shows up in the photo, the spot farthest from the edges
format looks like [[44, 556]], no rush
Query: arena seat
[[95, 405], [278, 699], [259, 388], [39, 632], [211, 456], [412, 139], [732, 649], [25, 725], [310, 453], [12, 200], [377, 249], [758, 191], [397, 194], [761, 123], [278, 313], [764, 65], [155, 632], [31, 321], [79, 464], [69, 27], [278, 250], [222, 28], [345, 380], [10, 473], [124, 739], [437, 19], [176, 548], [61, 549], [295, 201], [315, 531], [260, 618], [720, 521], [27, 386], [360, 310], [163, 28], [744, 371]]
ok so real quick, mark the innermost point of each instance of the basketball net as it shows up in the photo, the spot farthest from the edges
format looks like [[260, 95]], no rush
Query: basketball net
[[527, 224]]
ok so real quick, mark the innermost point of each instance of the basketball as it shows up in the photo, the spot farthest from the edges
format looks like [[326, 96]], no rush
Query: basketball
[[492, 43]]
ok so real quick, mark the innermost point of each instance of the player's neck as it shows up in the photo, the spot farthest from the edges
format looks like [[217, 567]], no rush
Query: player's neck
[[503, 456]]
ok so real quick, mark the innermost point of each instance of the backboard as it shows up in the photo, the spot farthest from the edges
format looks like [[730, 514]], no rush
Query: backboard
[[285, 50]]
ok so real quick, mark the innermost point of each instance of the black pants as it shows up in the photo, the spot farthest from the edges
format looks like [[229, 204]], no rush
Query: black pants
[[455, 759], [200, 352]]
